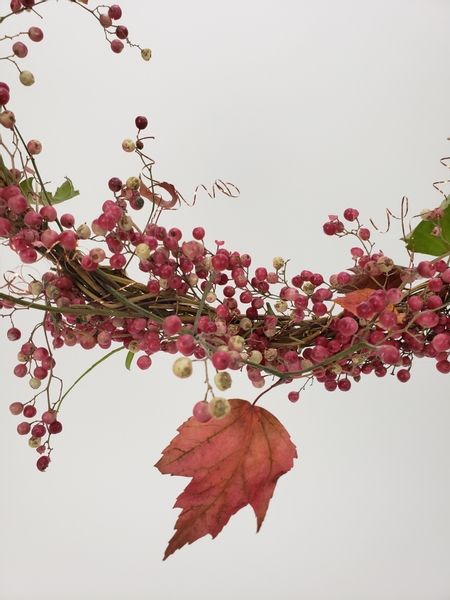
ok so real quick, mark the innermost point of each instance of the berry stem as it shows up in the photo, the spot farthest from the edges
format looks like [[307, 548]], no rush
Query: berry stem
[[58, 406]]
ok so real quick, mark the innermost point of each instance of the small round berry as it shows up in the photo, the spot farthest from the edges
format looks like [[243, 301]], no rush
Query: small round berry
[[221, 360], [117, 46], [42, 463], [34, 442], [278, 263], [35, 383], [7, 119], [26, 78], [29, 411], [23, 428], [35, 34], [146, 54], [122, 32], [34, 147], [201, 412], [182, 367], [144, 362], [19, 49], [55, 427], [13, 334], [219, 407], [128, 145], [49, 416], [4, 95], [16, 408], [38, 431], [115, 12], [105, 20], [403, 375], [172, 325], [222, 380], [293, 396]]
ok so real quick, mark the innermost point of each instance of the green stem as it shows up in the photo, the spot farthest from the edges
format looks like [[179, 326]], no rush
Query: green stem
[[86, 372]]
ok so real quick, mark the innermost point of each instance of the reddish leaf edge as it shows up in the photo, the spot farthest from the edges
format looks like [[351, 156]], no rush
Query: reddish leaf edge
[[249, 434]]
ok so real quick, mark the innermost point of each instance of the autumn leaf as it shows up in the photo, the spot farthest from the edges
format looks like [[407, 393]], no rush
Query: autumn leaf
[[233, 462], [352, 300]]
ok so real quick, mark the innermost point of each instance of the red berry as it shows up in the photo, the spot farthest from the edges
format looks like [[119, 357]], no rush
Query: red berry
[[122, 33], [19, 49], [55, 427], [38, 431], [43, 462], [115, 12], [141, 122], [117, 46], [23, 428], [4, 95]]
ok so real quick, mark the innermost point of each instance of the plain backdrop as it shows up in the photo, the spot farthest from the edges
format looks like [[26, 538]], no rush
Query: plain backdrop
[[309, 107]]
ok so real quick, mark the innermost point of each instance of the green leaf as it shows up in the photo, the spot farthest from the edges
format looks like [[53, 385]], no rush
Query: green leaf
[[26, 185], [65, 192], [421, 240], [129, 360]]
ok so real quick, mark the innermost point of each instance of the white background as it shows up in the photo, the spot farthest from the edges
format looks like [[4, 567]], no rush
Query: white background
[[308, 107]]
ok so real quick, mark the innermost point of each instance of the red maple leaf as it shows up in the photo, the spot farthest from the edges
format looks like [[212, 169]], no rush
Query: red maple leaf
[[233, 462]]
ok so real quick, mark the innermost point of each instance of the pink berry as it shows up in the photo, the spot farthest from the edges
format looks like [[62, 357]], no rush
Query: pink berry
[[48, 213], [19, 49], [201, 412], [388, 354], [426, 269], [13, 334], [144, 362], [49, 417], [198, 233], [68, 240], [221, 360], [117, 46], [16, 408], [105, 20], [18, 203], [5, 227], [351, 214], [23, 428], [35, 34], [293, 396], [38, 431], [28, 256], [67, 220], [172, 325], [115, 12]]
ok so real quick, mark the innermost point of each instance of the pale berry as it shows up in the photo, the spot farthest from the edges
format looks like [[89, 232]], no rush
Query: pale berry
[[128, 145], [16, 408], [105, 20], [182, 367], [222, 380], [219, 407], [23, 428], [34, 147], [26, 78], [146, 54]]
